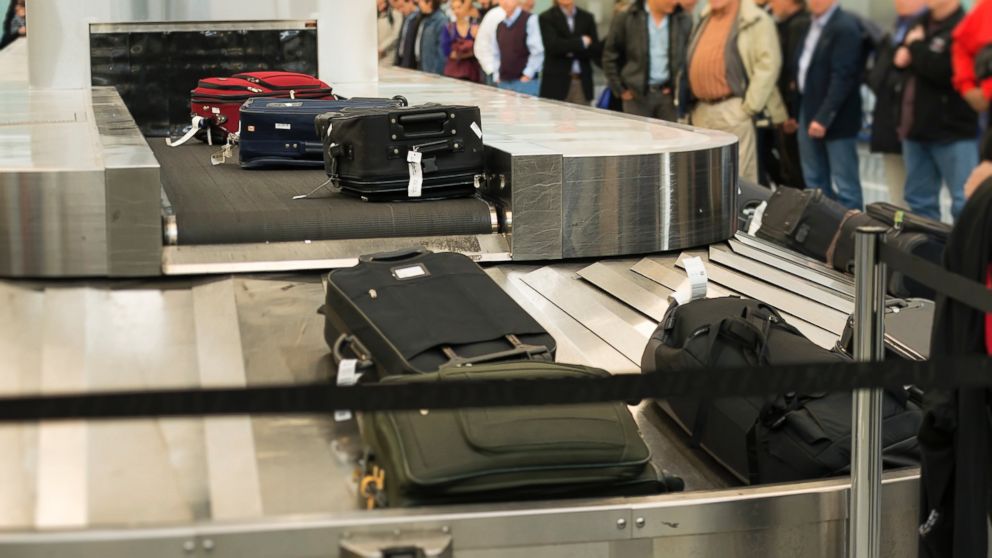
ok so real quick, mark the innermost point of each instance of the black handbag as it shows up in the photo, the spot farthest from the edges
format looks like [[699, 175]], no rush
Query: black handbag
[[804, 220]]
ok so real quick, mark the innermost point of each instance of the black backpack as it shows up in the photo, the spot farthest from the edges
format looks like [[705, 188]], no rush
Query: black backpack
[[781, 438]]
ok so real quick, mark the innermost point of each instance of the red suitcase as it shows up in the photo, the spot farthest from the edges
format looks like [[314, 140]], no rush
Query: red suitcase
[[216, 101]]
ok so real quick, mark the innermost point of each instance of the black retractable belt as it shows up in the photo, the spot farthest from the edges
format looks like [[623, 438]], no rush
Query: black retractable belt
[[939, 279]]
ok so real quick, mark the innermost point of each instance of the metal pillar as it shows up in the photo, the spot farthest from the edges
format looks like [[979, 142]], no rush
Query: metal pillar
[[865, 520], [348, 48]]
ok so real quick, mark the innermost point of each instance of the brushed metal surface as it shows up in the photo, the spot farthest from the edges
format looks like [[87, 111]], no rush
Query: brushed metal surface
[[672, 278], [624, 329], [232, 466], [623, 287], [724, 256], [809, 311], [839, 284], [133, 191], [322, 254]]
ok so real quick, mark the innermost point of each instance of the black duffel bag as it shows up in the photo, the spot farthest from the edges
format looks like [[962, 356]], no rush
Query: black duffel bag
[[783, 438], [804, 220]]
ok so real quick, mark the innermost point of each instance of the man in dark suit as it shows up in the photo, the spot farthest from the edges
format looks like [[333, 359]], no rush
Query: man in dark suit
[[828, 78], [570, 41], [406, 45]]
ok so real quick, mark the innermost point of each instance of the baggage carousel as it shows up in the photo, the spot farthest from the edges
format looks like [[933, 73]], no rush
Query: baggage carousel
[[584, 219]]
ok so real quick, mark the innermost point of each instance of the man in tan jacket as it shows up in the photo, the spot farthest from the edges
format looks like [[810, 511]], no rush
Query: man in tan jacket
[[733, 67]]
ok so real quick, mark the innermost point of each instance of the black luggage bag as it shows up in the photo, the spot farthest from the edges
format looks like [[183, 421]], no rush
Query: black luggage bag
[[420, 152], [803, 220], [415, 311], [908, 327], [281, 132], [770, 439], [508, 453]]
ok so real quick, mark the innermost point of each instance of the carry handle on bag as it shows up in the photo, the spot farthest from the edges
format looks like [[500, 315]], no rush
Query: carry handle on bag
[[395, 255], [902, 220], [421, 124], [362, 355]]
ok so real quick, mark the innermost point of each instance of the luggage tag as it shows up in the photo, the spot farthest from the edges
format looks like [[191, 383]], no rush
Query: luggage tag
[[695, 285], [227, 151], [347, 376], [756, 218], [415, 187], [197, 124]]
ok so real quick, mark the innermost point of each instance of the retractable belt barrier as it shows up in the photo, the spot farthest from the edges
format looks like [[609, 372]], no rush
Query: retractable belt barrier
[[325, 398]]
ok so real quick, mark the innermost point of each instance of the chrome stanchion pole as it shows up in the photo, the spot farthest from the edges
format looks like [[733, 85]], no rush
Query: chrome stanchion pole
[[865, 521]]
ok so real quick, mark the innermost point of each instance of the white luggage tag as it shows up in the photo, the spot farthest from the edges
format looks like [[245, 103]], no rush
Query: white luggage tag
[[225, 153], [695, 285], [197, 124], [415, 187], [759, 214], [347, 376]]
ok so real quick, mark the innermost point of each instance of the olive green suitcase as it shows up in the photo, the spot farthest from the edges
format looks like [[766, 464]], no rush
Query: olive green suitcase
[[509, 453]]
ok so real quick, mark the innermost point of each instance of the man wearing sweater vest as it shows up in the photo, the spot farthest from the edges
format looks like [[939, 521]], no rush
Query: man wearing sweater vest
[[519, 53], [733, 68]]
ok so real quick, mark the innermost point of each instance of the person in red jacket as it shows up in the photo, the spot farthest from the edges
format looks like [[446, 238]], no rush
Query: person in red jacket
[[972, 35]]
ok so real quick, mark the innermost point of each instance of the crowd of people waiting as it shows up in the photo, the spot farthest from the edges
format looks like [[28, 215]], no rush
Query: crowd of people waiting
[[795, 104]]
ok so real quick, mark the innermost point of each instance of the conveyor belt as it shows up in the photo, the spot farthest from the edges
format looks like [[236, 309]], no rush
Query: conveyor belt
[[224, 204]]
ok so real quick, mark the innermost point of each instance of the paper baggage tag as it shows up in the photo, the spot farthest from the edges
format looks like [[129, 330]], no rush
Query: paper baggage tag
[[695, 285], [347, 376], [759, 214], [415, 187], [475, 128]]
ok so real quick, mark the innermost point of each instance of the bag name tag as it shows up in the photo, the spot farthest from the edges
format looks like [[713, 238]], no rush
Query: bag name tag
[[416, 185], [410, 271], [475, 128], [695, 285], [346, 377]]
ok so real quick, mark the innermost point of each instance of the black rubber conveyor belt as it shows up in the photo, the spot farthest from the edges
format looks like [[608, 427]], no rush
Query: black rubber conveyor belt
[[224, 204]]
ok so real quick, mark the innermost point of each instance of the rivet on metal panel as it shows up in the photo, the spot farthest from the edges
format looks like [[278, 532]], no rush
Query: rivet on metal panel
[[394, 136], [208, 544], [189, 547], [392, 120], [621, 524], [454, 132], [640, 522]]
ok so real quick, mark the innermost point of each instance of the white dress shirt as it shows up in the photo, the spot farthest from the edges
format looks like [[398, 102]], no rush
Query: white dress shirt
[[485, 39], [812, 39]]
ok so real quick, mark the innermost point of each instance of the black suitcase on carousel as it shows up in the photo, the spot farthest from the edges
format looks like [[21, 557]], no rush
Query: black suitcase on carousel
[[770, 439], [415, 311], [909, 233], [422, 152], [280, 132], [804, 220]]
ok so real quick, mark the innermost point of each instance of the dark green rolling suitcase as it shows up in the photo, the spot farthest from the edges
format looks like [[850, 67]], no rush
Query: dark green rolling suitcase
[[500, 454]]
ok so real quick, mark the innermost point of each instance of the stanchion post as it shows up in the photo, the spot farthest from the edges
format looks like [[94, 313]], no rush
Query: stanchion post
[[865, 517]]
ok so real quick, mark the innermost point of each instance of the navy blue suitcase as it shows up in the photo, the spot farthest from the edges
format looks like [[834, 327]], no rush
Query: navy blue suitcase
[[281, 132]]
